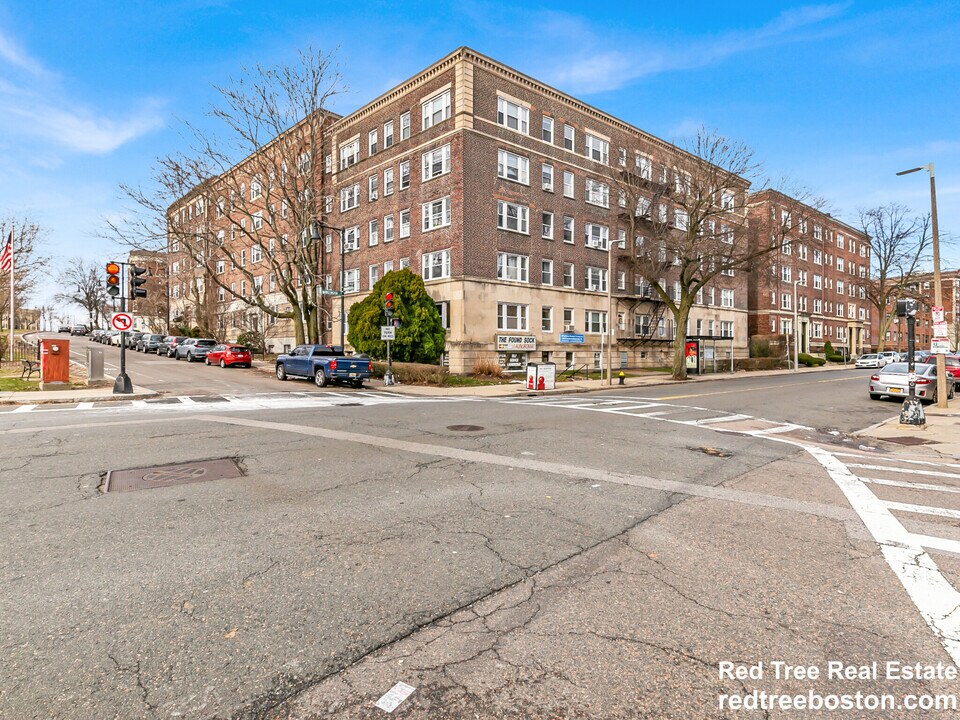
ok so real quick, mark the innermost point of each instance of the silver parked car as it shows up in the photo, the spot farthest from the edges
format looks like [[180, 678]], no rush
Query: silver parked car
[[894, 381], [193, 349], [872, 360]]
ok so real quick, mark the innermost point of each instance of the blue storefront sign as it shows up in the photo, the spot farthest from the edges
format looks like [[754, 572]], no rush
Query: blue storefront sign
[[573, 338]]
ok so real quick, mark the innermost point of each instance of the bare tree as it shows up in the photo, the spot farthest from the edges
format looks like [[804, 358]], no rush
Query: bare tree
[[222, 220], [689, 226], [27, 261], [81, 283], [900, 243]]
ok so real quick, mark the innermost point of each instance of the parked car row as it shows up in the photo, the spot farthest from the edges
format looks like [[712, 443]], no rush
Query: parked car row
[[179, 347], [894, 381]]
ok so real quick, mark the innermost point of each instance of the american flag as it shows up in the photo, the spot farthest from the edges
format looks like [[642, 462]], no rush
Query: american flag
[[6, 257]]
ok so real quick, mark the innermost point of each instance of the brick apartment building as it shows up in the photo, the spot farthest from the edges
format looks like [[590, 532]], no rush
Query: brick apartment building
[[150, 313], [895, 337], [497, 190], [825, 263]]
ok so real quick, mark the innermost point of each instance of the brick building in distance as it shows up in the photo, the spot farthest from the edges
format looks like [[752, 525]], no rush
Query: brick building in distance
[[150, 312], [922, 289], [500, 192], [826, 264]]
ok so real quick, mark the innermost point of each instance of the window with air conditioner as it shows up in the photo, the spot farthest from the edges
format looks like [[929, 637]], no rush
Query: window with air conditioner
[[597, 236], [596, 279]]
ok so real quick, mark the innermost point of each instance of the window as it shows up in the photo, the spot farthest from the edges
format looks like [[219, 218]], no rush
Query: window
[[373, 233], [328, 243], [786, 273], [802, 277], [512, 267], [817, 232], [641, 324], [373, 187], [436, 214], [243, 258], [786, 301], [327, 164], [568, 275], [596, 149], [595, 321], [372, 142], [351, 239], [726, 328], [817, 305], [597, 236], [436, 162], [404, 174], [546, 272], [644, 167], [436, 265], [512, 217], [443, 307], [256, 190], [547, 225], [598, 193], [568, 325], [435, 110], [221, 294], [568, 229], [622, 157], [388, 267], [513, 167], [568, 184], [726, 298], [388, 182], [512, 116], [546, 177], [840, 241], [680, 219], [328, 204], [220, 267], [351, 281], [546, 132], [802, 252], [257, 220], [256, 254], [404, 263], [546, 319], [373, 275], [840, 264], [388, 229], [596, 279], [839, 287], [350, 197], [349, 154], [569, 135], [387, 134], [817, 257], [727, 201], [405, 223], [405, 126], [511, 317]]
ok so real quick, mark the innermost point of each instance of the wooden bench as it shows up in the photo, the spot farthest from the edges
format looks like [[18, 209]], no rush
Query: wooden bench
[[30, 367]]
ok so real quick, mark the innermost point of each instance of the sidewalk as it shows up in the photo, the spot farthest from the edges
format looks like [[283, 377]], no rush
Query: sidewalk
[[104, 394], [940, 437]]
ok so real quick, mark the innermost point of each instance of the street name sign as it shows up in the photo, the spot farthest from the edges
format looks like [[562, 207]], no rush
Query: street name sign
[[572, 338], [121, 321], [388, 332], [331, 292]]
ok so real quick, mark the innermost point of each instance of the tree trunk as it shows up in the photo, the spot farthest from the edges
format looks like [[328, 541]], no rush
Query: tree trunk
[[297, 328], [680, 341], [312, 326]]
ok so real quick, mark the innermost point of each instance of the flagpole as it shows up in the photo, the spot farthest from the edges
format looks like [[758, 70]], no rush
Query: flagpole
[[12, 268]]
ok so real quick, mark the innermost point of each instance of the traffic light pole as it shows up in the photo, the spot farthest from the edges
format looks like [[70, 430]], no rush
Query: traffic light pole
[[122, 385], [912, 411]]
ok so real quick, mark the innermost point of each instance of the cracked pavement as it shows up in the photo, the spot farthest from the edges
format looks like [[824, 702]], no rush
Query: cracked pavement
[[549, 566]]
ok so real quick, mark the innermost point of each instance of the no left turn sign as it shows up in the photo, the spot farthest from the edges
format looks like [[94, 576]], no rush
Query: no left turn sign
[[121, 321]]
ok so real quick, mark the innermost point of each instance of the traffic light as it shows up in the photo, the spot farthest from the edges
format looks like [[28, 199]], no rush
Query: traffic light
[[113, 279], [136, 281], [906, 308], [388, 304]]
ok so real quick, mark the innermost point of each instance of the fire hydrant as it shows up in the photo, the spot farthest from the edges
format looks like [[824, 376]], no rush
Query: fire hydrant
[[621, 376]]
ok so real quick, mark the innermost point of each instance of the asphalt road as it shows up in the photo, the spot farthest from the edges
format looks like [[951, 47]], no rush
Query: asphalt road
[[589, 556]]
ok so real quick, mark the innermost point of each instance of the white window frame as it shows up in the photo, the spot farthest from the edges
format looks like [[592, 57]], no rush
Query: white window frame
[[350, 197], [513, 267], [513, 167], [509, 111], [596, 148], [513, 214], [519, 317], [435, 214], [350, 153], [388, 228], [546, 177], [405, 126], [597, 193], [569, 184], [435, 265], [546, 129], [435, 110], [435, 163], [546, 272], [404, 223]]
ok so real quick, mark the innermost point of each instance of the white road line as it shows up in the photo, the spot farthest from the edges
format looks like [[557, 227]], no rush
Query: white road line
[[911, 485], [184, 400], [905, 471], [23, 409], [890, 458], [714, 420], [935, 598], [923, 509], [937, 543], [789, 427], [84, 406]]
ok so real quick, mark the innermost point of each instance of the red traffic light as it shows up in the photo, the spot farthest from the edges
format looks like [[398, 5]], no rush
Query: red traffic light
[[388, 301], [113, 268], [113, 280]]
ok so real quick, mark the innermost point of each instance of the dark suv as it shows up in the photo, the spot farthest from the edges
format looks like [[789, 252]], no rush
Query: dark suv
[[149, 343]]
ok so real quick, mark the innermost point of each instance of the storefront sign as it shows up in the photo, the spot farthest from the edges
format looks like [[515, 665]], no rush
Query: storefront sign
[[572, 338], [516, 342]]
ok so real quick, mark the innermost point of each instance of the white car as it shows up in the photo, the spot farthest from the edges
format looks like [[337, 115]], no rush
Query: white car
[[889, 356], [873, 360]]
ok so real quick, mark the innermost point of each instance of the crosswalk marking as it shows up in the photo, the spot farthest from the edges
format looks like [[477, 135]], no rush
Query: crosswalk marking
[[912, 485], [923, 509], [906, 471]]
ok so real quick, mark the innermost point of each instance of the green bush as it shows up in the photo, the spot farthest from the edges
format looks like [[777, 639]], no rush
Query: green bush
[[413, 373], [758, 363], [760, 348], [810, 360]]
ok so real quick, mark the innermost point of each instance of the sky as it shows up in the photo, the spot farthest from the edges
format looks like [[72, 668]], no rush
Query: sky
[[836, 97]]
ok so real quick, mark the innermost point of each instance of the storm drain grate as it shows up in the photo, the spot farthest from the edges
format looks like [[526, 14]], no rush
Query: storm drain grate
[[908, 440], [465, 428], [169, 475]]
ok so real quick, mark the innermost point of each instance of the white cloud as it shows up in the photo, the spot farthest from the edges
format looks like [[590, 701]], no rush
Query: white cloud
[[37, 106], [597, 70]]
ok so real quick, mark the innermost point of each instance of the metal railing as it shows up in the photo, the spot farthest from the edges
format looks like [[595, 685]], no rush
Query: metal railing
[[22, 350]]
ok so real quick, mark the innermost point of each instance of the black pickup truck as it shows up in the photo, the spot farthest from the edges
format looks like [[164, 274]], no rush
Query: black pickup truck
[[323, 363]]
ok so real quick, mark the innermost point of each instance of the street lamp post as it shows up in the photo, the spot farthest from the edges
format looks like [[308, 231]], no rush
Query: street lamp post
[[937, 289], [609, 312], [796, 325], [315, 236]]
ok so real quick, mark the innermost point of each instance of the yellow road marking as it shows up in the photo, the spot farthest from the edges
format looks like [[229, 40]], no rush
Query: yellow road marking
[[765, 387]]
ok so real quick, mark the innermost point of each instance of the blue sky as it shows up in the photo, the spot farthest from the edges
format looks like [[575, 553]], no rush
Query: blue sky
[[836, 96]]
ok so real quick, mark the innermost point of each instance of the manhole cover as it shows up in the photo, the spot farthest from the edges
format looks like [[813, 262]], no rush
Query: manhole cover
[[168, 475], [907, 440], [465, 428]]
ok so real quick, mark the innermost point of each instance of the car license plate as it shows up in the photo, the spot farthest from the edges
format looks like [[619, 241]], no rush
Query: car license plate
[[895, 390], [353, 374]]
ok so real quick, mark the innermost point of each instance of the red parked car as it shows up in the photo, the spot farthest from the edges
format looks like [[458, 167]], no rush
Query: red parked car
[[226, 354], [952, 364]]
